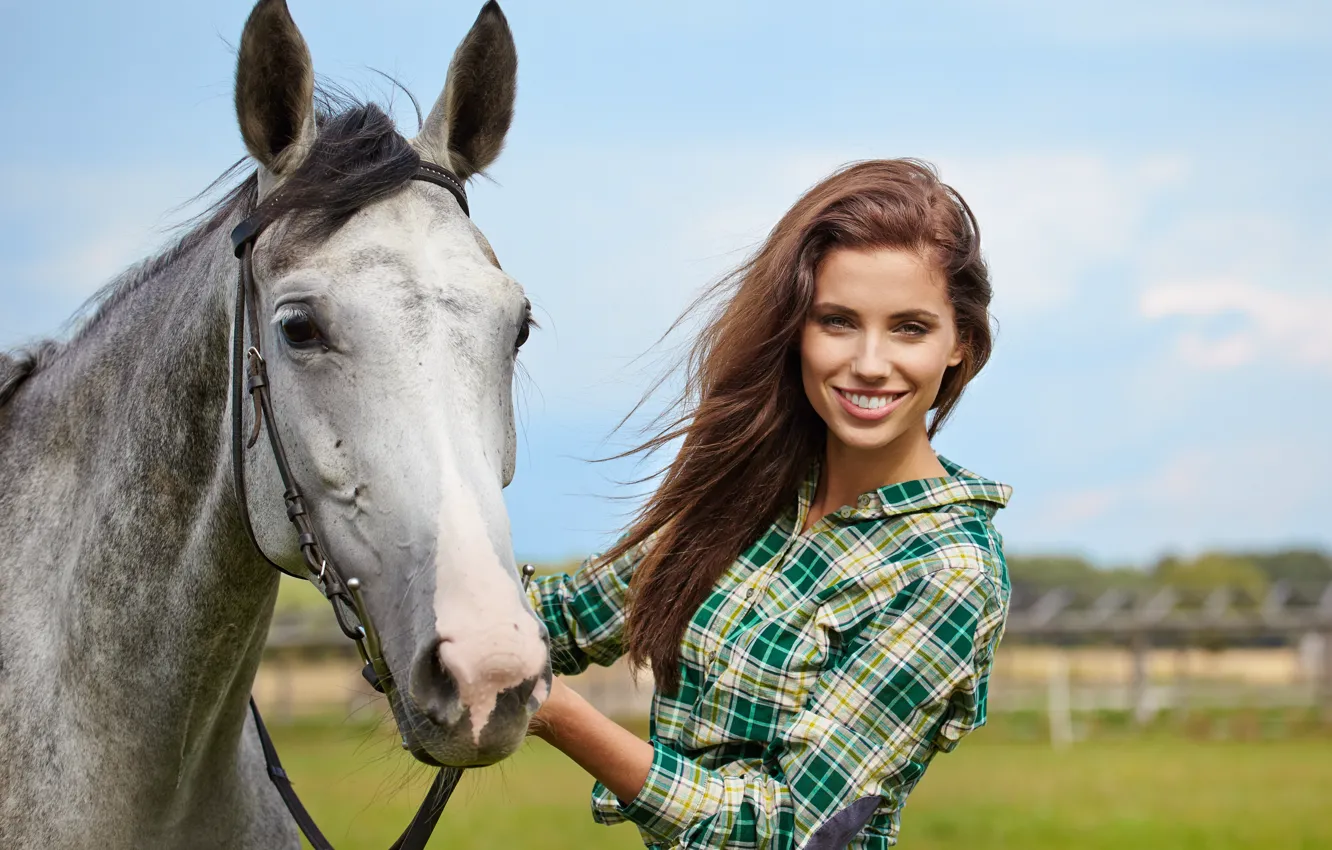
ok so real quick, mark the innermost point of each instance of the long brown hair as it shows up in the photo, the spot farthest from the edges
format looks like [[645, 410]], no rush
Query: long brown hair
[[749, 432]]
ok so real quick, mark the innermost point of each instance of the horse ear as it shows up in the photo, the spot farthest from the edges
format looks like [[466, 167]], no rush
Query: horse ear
[[275, 89], [465, 129]]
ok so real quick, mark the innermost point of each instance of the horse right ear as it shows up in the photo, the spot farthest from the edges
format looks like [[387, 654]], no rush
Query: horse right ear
[[465, 130], [275, 90]]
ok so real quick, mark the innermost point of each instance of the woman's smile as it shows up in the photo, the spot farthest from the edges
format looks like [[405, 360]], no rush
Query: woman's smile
[[869, 404]]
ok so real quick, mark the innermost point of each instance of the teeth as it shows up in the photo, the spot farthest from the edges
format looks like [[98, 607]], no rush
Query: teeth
[[869, 402]]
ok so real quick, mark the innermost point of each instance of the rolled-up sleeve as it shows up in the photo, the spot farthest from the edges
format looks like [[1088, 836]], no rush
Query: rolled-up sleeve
[[911, 683], [585, 612]]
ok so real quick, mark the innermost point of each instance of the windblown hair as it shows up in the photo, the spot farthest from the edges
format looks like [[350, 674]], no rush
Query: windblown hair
[[749, 432], [358, 157]]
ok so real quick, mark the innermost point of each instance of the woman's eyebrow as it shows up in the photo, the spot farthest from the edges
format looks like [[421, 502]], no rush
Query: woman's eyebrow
[[918, 314], [830, 307]]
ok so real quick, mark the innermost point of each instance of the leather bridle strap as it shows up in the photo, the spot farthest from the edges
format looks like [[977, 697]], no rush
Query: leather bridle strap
[[413, 837], [344, 594]]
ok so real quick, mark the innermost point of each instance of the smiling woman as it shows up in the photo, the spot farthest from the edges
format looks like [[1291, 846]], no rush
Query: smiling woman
[[817, 593]]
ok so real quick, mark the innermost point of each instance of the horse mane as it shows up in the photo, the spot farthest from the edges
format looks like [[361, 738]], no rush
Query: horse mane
[[357, 158]]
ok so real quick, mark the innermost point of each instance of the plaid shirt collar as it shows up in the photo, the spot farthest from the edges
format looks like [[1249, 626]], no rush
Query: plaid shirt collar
[[958, 486]]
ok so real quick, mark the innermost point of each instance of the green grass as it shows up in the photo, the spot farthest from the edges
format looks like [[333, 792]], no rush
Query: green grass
[[362, 790], [996, 791]]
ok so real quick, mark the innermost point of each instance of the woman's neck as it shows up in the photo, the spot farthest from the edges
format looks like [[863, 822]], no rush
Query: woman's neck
[[848, 472]]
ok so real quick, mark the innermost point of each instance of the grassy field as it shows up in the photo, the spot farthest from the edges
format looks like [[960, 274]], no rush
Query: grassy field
[[996, 791]]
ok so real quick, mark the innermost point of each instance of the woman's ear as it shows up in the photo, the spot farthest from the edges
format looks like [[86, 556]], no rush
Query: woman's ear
[[959, 353]]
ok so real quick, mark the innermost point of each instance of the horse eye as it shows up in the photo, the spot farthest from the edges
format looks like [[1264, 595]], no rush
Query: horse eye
[[299, 329], [525, 329]]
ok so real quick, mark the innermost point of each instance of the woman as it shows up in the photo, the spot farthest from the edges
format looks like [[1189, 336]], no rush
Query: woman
[[817, 594]]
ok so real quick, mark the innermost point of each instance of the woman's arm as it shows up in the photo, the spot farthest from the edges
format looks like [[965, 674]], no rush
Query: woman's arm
[[914, 682], [618, 758]]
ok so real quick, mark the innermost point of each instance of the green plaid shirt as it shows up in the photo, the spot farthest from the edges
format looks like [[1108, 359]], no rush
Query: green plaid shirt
[[825, 667]]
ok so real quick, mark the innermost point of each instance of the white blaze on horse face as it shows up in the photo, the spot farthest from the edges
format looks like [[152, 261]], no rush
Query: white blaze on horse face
[[489, 641]]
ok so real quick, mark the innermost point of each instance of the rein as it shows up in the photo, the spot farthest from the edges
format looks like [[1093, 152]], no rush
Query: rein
[[349, 609]]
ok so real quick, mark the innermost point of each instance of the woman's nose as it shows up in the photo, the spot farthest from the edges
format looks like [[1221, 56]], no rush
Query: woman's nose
[[872, 362]]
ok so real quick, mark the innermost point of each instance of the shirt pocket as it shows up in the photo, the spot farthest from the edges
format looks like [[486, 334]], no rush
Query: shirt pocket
[[760, 678]]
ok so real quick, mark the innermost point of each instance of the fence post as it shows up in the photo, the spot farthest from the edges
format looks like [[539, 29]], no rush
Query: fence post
[[1325, 680], [1323, 673], [1138, 689], [1183, 696], [1059, 703]]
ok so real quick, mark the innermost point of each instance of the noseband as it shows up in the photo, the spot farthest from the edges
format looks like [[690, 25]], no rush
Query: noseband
[[344, 593]]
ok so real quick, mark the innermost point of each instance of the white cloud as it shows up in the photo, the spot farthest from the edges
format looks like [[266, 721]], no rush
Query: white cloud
[[1080, 506], [1286, 327], [1049, 220]]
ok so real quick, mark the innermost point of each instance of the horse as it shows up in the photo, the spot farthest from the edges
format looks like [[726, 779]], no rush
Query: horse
[[135, 585]]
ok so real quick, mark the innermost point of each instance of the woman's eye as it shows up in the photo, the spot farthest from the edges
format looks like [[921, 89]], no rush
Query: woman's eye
[[835, 322], [299, 328], [914, 329]]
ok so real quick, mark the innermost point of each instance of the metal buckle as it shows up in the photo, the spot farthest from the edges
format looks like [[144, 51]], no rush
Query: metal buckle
[[256, 369]]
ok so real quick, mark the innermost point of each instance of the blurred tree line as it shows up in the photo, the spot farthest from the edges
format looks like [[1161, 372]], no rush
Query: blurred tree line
[[1304, 572], [1250, 574]]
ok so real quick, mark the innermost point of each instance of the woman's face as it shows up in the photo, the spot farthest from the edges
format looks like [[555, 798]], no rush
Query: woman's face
[[876, 344]]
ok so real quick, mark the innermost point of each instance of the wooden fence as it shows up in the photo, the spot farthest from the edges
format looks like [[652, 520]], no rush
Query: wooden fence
[[1064, 654]]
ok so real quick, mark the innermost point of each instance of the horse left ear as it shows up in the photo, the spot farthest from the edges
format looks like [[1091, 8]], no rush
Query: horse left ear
[[465, 130], [275, 89]]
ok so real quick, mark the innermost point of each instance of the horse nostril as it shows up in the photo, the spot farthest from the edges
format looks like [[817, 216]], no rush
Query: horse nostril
[[434, 688], [514, 703], [525, 690]]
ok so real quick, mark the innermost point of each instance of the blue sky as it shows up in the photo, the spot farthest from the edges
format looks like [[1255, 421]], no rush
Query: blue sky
[[1151, 180]]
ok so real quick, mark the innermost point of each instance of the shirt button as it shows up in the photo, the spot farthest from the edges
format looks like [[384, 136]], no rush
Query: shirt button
[[749, 593], [712, 656], [863, 501]]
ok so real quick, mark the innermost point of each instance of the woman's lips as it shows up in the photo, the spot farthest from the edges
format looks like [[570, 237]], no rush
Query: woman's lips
[[890, 402]]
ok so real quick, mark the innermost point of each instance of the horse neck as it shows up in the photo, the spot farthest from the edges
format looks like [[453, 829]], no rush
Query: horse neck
[[155, 606]]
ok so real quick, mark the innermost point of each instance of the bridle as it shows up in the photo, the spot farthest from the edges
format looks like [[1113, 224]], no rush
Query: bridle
[[344, 593]]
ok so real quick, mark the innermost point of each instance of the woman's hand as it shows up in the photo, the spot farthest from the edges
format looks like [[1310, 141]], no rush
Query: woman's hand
[[614, 755]]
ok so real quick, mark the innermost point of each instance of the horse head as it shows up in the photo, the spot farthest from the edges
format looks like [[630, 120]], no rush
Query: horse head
[[390, 334]]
